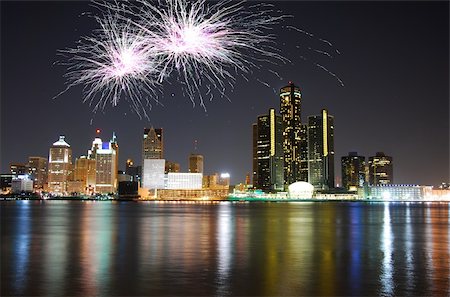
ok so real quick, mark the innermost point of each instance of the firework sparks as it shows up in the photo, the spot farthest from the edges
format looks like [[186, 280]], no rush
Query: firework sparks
[[203, 46], [115, 62]]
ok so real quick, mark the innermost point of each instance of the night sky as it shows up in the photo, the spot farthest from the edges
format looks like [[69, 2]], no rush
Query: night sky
[[394, 62]]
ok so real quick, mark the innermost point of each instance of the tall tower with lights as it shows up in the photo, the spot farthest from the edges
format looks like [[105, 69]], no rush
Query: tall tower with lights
[[59, 166], [294, 136], [268, 139], [321, 150]]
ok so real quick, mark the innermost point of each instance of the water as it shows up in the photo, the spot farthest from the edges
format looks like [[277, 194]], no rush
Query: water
[[58, 248]]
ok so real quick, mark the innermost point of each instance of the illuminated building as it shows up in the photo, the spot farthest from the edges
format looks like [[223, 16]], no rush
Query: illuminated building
[[321, 150], [195, 163], [21, 183], [177, 180], [18, 168], [381, 170], [133, 171], [153, 174], [106, 167], [37, 167], [152, 144], [59, 166], [5, 181], [294, 138], [353, 171], [299, 190], [172, 167], [216, 181], [85, 172], [255, 155], [269, 152], [395, 192], [115, 147]]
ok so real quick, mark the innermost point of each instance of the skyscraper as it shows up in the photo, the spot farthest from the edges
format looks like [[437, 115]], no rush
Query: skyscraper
[[85, 171], [195, 163], [381, 171], [321, 150], [152, 144], [353, 171], [255, 155], [59, 166], [37, 167], [106, 168], [294, 141], [269, 152]]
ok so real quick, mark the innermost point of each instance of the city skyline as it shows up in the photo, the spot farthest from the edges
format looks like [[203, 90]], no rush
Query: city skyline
[[376, 110]]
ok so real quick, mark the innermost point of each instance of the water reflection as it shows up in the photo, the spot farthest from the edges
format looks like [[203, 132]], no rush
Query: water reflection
[[224, 246], [22, 246], [295, 249], [387, 284]]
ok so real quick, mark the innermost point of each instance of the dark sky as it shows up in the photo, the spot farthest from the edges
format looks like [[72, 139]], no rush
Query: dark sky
[[394, 63]]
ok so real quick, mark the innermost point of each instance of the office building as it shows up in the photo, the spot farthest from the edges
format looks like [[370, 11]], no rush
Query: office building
[[195, 163], [85, 172], [106, 168], [269, 152], [321, 151], [21, 183], [153, 174], [18, 168], [255, 154], [152, 144], [381, 170], [37, 167], [133, 171], [294, 139], [353, 171], [171, 167], [178, 181], [59, 166]]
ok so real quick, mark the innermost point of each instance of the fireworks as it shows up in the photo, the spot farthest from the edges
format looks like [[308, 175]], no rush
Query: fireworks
[[140, 46], [115, 61]]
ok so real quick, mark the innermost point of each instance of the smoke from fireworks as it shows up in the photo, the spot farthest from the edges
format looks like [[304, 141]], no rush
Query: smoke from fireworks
[[202, 46]]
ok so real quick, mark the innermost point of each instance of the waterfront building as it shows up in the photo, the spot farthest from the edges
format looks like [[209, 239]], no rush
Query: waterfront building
[[18, 169], [269, 152], [115, 147], [216, 181], [59, 166], [38, 169], [294, 138], [132, 170], [85, 172], [353, 171], [5, 181], [153, 174], [195, 163], [395, 192], [106, 167], [152, 144], [381, 171], [321, 150], [300, 190], [255, 155], [171, 167], [21, 183], [178, 180]]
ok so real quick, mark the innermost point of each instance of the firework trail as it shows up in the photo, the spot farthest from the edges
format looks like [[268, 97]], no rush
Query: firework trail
[[202, 46], [205, 45], [114, 61]]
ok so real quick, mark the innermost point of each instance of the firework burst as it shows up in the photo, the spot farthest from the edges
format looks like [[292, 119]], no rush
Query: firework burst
[[116, 61]]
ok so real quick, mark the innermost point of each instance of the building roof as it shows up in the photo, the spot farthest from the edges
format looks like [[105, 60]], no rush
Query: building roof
[[61, 142]]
